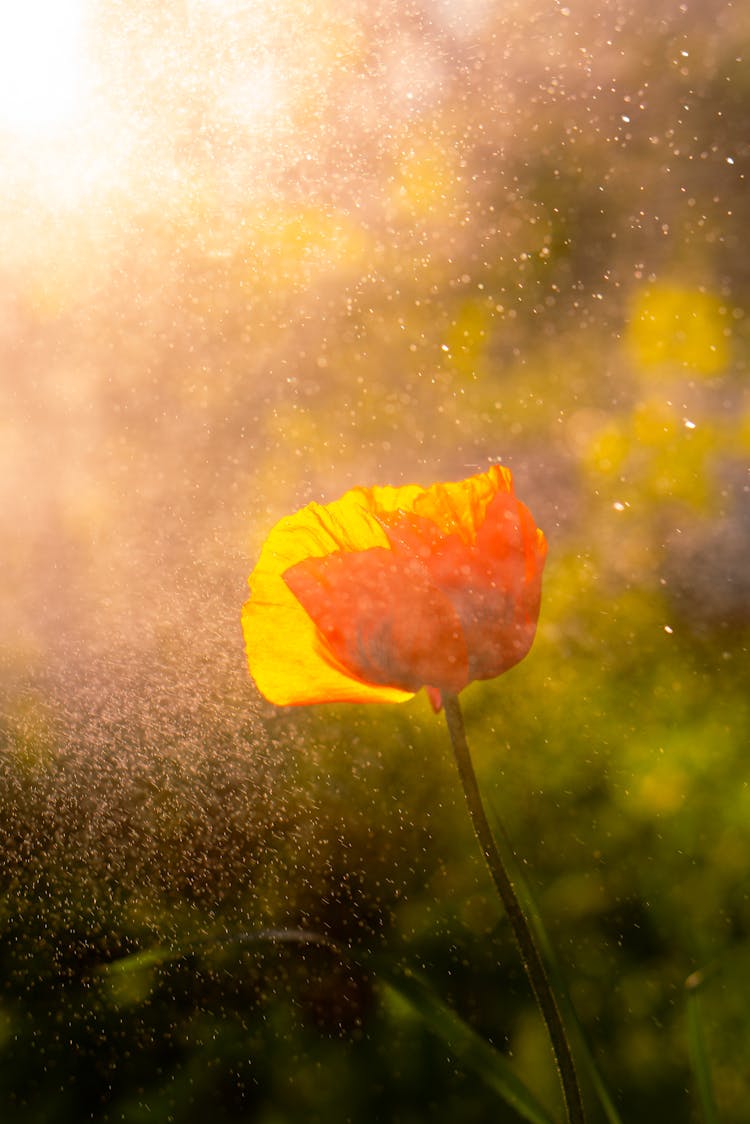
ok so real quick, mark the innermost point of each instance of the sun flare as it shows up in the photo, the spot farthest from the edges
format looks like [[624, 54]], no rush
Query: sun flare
[[41, 59]]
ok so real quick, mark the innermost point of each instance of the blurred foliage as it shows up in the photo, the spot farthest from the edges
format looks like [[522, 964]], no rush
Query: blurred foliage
[[284, 249]]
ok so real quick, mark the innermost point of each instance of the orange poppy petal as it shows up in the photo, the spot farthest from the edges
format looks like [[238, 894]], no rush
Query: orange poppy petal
[[383, 619], [503, 622], [493, 583], [460, 507]]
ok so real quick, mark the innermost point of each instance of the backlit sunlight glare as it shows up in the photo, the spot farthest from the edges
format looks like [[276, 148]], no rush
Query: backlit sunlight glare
[[40, 65]]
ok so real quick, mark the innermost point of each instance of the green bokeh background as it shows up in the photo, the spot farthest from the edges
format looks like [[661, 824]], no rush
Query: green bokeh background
[[440, 237]]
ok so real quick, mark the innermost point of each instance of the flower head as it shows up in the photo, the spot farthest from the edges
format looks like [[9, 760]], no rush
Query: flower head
[[387, 590]]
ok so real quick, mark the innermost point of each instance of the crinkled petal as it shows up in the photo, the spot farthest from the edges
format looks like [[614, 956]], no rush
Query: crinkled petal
[[500, 623], [493, 583], [459, 507], [383, 619]]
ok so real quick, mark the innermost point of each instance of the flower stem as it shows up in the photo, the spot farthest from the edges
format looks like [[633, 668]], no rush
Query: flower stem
[[530, 955]]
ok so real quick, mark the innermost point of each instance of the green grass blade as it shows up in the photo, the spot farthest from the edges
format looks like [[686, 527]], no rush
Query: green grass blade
[[158, 955], [698, 1051], [469, 1049]]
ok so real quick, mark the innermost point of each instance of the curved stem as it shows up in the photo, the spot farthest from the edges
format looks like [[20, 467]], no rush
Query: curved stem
[[530, 955]]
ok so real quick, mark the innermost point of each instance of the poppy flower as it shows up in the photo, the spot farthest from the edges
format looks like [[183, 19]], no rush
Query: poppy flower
[[387, 590]]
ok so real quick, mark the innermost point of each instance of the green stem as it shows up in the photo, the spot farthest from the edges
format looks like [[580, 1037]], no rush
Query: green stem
[[530, 955]]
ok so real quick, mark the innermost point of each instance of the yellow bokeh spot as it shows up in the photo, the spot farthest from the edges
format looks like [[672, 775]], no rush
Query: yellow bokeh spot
[[425, 183], [662, 790], [653, 423], [608, 450], [743, 431], [298, 245], [674, 326], [468, 338]]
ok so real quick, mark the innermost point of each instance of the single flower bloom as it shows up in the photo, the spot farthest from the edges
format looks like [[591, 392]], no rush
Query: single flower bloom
[[387, 590]]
